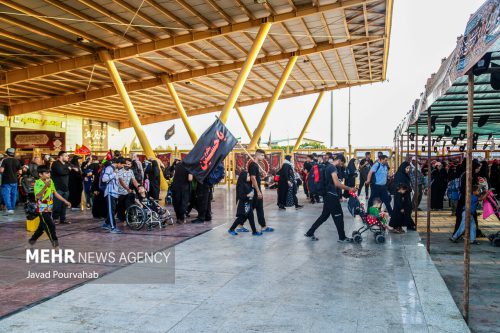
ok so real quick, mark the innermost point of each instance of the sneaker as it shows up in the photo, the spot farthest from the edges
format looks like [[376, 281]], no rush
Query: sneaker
[[281, 208], [345, 240], [197, 221], [267, 229], [116, 231], [232, 232], [299, 207], [453, 240], [312, 237], [257, 233], [10, 212], [56, 221], [106, 226], [242, 229], [475, 242]]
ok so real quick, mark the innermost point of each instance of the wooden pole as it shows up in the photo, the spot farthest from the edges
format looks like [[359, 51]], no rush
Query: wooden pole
[[468, 193], [407, 145], [416, 175], [428, 241]]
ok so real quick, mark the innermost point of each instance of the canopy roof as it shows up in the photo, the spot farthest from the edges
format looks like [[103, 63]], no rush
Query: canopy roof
[[48, 52], [446, 92]]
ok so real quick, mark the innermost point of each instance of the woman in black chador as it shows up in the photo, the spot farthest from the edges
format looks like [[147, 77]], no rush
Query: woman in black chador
[[154, 180], [75, 183], [438, 187], [401, 216], [287, 185]]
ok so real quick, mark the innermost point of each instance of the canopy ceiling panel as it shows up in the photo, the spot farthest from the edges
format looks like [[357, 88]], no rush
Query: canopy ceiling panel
[[49, 61]]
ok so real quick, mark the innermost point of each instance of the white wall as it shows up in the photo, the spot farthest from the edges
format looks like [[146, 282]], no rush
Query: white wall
[[74, 132], [116, 138]]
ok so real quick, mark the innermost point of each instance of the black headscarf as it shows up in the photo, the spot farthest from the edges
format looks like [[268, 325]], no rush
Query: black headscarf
[[401, 177]]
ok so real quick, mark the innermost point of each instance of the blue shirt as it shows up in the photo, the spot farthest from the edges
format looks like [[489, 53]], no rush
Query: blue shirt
[[474, 201], [380, 173]]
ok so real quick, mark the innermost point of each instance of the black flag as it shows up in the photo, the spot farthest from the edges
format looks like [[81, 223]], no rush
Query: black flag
[[170, 132], [210, 150]]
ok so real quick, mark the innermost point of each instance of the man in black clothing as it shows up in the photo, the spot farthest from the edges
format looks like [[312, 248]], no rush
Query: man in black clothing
[[203, 205], [258, 202], [331, 205], [9, 169], [60, 176]]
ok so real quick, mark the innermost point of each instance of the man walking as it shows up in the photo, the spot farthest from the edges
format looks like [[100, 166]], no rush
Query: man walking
[[331, 200], [258, 200], [60, 176], [111, 194], [126, 180], [379, 188], [10, 168]]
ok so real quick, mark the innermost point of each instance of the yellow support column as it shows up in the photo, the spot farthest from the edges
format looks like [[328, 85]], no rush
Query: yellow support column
[[245, 71], [247, 129], [311, 115], [276, 94], [129, 107], [179, 107]]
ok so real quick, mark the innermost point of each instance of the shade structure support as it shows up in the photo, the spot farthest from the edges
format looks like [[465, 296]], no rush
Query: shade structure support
[[429, 171], [180, 108], [308, 121], [468, 194], [276, 94], [416, 176], [245, 71], [129, 108], [243, 121], [407, 145]]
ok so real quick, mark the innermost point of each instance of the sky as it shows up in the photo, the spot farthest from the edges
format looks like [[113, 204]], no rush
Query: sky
[[423, 32]]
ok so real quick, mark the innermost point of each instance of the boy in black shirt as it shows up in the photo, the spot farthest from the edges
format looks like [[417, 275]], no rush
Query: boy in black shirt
[[258, 202]]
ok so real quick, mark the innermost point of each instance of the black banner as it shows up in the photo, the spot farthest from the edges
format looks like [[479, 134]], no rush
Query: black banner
[[210, 150]]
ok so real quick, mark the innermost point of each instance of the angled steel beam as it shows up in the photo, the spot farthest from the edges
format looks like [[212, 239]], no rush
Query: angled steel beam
[[180, 108], [245, 125], [19, 75], [277, 92], [127, 103], [308, 121], [245, 71]]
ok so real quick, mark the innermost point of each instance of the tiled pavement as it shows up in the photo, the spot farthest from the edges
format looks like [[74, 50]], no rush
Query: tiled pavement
[[484, 306], [280, 282]]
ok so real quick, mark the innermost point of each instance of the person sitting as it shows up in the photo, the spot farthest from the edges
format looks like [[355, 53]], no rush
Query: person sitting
[[477, 196], [375, 213], [144, 201]]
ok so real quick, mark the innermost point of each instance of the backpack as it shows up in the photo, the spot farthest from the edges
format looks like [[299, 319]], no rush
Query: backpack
[[102, 184], [372, 181], [454, 189], [318, 179], [216, 175]]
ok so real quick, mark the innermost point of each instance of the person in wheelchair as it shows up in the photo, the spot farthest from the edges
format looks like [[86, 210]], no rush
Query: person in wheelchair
[[142, 200]]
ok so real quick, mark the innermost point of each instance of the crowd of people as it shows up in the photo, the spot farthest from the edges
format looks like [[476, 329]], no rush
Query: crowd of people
[[112, 185]]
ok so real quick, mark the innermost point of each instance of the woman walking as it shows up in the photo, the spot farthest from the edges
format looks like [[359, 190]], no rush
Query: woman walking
[[438, 187], [287, 185], [401, 216]]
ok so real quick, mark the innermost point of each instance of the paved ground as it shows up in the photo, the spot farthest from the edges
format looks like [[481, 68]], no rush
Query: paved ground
[[280, 282], [484, 306]]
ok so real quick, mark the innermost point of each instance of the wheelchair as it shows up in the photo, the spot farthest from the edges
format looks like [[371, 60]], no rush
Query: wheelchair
[[137, 217]]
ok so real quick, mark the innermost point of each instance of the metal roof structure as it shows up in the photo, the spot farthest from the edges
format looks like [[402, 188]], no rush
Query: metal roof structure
[[49, 52], [446, 93]]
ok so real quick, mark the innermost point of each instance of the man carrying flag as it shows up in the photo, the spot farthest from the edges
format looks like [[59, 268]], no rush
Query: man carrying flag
[[209, 151]]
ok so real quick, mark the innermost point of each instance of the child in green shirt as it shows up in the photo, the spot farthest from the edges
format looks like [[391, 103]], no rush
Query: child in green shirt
[[44, 196]]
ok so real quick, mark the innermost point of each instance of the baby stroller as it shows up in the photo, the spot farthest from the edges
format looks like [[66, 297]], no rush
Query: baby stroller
[[491, 207], [151, 216], [370, 222]]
